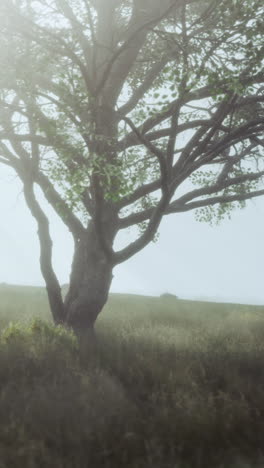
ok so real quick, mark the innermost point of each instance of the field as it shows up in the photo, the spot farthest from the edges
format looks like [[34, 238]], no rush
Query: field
[[171, 384]]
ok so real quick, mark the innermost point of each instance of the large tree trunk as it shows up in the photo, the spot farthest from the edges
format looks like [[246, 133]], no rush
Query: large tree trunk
[[89, 285]]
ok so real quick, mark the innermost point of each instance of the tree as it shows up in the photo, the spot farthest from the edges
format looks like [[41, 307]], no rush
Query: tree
[[111, 106]]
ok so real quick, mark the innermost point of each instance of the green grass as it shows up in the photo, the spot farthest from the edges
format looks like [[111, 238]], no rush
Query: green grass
[[172, 384]]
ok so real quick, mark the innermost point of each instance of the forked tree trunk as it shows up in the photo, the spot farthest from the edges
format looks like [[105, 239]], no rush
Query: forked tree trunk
[[90, 282]]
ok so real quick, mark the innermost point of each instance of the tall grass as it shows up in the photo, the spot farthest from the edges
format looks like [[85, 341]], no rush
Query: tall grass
[[171, 384]]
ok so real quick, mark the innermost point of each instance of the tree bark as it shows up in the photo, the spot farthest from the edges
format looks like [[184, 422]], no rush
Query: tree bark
[[90, 282]]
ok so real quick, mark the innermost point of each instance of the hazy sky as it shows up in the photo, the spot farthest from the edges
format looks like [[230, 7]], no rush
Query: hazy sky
[[190, 259]]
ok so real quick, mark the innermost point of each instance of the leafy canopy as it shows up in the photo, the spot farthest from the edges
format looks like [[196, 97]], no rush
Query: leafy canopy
[[136, 107]]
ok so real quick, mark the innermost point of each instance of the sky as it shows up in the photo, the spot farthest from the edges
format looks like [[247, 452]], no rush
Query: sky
[[191, 259]]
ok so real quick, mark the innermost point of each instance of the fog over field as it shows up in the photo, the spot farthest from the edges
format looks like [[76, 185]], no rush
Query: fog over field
[[190, 259]]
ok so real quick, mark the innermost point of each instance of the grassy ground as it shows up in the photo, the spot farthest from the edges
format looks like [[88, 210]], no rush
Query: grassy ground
[[172, 384]]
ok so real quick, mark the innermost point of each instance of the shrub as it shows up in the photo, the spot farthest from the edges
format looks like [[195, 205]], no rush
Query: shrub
[[167, 295]]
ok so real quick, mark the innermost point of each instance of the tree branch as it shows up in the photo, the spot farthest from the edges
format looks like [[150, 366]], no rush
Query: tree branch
[[139, 193], [179, 204], [59, 205], [124, 57], [52, 283], [217, 187], [214, 200], [26, 138], [154, 150], [77, 28], [144, 87], [149, 233], [132, 140], [199, 94], [26, 27]]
